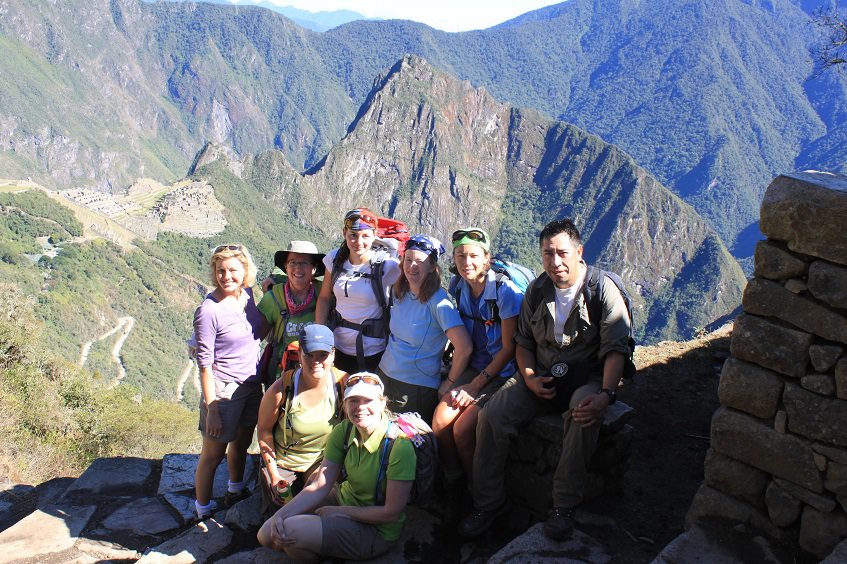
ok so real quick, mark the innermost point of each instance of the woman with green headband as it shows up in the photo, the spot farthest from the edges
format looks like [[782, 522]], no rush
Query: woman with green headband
[[489, 308]]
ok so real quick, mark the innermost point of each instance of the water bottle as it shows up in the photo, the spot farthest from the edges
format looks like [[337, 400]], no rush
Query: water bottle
[[283, 492]]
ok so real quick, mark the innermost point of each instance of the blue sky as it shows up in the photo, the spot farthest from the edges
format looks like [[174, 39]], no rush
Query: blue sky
[[447, 15]]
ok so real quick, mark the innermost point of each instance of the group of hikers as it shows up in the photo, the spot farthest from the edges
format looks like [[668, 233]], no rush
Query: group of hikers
[[372, 329]]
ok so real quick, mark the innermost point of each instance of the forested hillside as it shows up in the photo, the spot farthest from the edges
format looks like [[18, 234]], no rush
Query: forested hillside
[[713, 98], [82, 286], [473, 160]]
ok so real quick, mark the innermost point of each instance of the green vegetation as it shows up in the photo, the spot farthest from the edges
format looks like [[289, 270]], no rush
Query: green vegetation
[[26, 216], [712, 98], [517, 241], [56, 419], [82, 292]]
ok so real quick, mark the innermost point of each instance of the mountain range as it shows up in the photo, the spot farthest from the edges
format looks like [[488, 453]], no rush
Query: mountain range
[[472, 160], [316, 21], [713, 98]]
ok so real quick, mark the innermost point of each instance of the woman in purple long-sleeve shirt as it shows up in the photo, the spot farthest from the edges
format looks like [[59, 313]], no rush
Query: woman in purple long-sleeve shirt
[[228, 329]]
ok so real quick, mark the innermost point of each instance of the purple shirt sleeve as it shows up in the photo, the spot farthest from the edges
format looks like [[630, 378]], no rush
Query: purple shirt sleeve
[[228, 340]]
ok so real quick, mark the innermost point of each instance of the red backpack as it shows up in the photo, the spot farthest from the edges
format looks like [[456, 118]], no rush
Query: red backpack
[[392, 235]]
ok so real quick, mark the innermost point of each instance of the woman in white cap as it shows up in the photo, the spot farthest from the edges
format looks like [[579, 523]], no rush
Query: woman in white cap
[[423, 318], [290, 305], [355, 299], [348, 523], [296, 415]]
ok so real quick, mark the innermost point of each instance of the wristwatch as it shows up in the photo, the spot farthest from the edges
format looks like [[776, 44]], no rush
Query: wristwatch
[[613, 395]]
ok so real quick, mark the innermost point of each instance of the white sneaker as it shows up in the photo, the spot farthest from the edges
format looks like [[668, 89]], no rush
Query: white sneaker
[[205, 512]]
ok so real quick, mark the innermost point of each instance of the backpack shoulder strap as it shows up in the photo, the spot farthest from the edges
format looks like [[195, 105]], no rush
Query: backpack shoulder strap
[[287, 389], [348, 430], [382, 477], [283, 312], [495, 307], [455, 287], [593, 286], [338, 376], [287, 397], [377, 268]]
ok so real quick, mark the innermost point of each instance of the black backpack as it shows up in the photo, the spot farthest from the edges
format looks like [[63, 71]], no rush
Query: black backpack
[[593, 286], [423, 440]]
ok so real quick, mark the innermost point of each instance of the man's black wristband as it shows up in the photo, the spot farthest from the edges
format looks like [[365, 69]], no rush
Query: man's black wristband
[[613, 395]]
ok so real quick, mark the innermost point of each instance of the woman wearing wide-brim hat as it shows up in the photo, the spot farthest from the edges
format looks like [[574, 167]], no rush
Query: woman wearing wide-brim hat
[[289, 306]]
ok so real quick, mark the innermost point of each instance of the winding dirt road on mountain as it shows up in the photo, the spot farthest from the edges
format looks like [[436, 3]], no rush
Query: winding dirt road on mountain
[[125, 325], [190, 369]]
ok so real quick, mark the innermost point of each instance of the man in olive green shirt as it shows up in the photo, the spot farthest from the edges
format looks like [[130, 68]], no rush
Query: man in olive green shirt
[[566, 364]]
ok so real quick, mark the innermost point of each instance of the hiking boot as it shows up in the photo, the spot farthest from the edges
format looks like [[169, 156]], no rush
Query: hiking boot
[[231, 498], [559, 525], [457, 499], [480, 520]]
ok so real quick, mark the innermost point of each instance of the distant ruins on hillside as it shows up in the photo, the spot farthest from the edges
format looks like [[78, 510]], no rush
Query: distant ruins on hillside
[[149, 208]]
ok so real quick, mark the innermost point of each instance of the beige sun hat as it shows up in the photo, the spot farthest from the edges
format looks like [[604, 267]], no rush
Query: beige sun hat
[[304, 248]]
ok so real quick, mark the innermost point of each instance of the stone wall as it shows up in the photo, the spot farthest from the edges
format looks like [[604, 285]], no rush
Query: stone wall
[[535, 453], [778, 457]]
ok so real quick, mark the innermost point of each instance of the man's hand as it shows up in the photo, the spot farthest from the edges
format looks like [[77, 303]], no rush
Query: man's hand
[[590, 410], [536, 386], [267, 283], [462, 397]]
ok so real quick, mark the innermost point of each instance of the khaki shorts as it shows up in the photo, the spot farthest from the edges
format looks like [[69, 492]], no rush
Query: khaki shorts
[[238, 405], [487, 391], [350, 540]]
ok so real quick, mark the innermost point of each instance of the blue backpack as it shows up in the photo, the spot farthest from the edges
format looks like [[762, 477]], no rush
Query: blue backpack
[[520, 276]]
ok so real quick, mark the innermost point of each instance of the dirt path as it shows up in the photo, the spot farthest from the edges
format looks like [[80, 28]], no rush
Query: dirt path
[[125, 325], [189, 372], [128, 324]]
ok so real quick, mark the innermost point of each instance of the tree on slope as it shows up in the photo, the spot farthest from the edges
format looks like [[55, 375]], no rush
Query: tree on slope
[[832, 21]]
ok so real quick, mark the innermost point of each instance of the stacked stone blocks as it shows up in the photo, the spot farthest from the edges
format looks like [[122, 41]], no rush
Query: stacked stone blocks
[[778, 457], [535, 453]]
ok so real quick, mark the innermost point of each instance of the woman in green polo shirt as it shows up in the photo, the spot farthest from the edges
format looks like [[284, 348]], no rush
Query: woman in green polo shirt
[[346, 524]]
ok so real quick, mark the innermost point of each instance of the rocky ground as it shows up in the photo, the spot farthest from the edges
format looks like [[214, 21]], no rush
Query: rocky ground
[[674, 394]]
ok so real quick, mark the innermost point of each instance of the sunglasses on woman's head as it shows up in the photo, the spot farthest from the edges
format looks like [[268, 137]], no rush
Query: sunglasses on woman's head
[[472, 234], [220, 248], [366, 378], [424, 245], [350, 222]]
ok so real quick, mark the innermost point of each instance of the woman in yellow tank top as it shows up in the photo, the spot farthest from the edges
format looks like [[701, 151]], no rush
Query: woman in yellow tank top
[[295, 417]]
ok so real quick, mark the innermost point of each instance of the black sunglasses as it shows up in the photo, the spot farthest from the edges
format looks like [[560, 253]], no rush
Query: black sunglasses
[[423, 246]]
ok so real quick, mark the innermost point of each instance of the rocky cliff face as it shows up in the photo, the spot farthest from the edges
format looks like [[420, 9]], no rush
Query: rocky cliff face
[[712, 98], [440, 154]]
